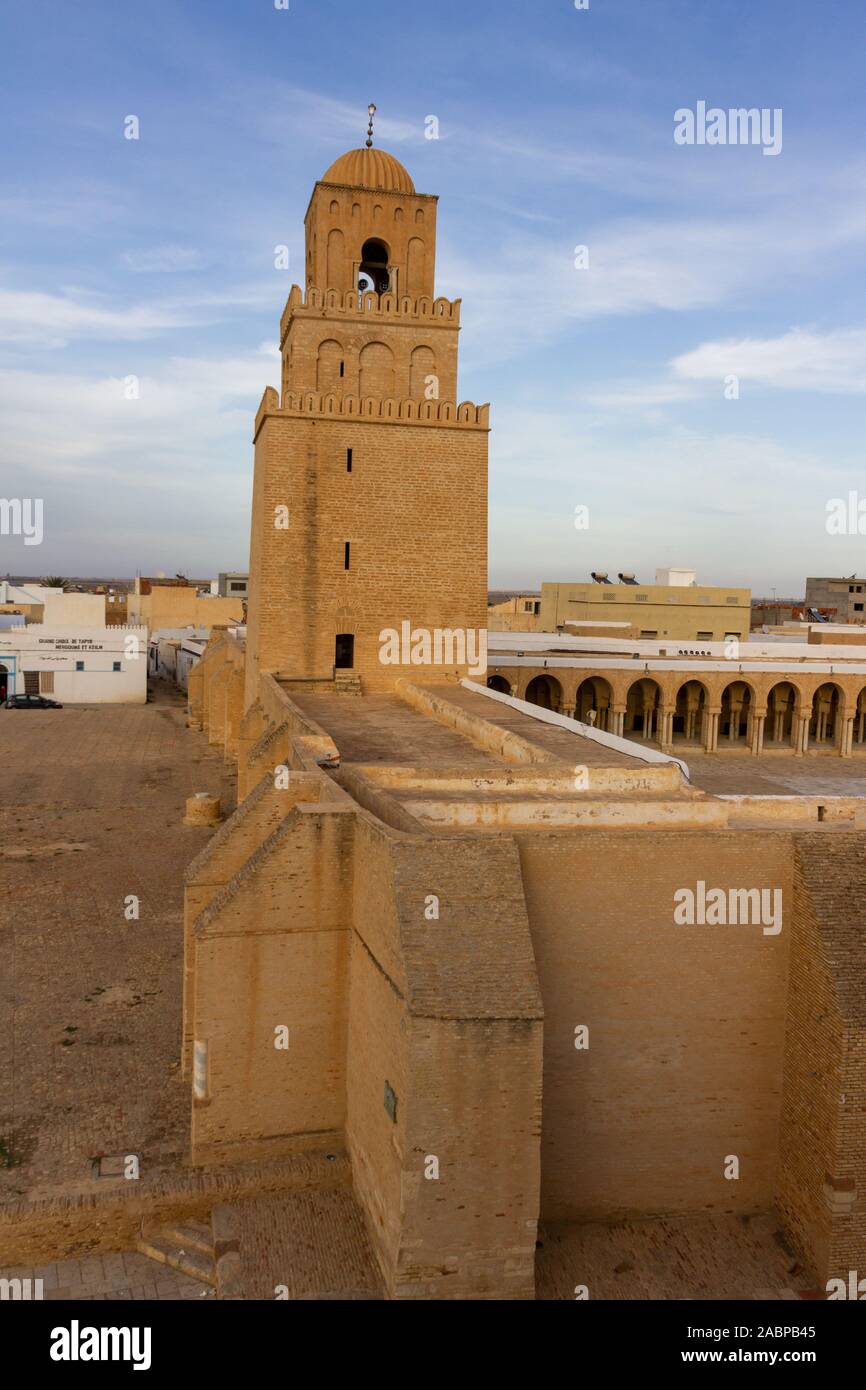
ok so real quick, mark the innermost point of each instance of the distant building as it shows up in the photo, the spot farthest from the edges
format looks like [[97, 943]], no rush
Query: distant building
[[75, 665], [232, 584], [517, 614], [771, 612], [673, 607], [116, 606], [41, 603], [172, 654], [843, 600], [175, 603]]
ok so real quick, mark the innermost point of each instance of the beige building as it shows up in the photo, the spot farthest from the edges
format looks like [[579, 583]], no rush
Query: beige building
[[668, 608], [518, 614], [42, 603], [157, 605]]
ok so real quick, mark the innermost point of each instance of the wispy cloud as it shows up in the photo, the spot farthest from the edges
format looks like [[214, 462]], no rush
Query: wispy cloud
[[168, 260], [799, 360], [33, 318], [94, 430]]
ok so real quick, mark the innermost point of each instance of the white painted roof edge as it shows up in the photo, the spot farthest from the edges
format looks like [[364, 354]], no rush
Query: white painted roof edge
[[574, 726], [691, 670]]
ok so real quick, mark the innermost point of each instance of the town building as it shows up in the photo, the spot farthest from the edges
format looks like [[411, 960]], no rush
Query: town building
[[674, 606], [41, 603], [172, 653], [517, 614], [231, 585], [74, 665], [116, 606], [842, 600], [174, 603]]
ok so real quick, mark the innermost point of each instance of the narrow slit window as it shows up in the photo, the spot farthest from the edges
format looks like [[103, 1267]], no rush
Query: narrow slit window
[[347, 554], [342, 369], [348, 460]]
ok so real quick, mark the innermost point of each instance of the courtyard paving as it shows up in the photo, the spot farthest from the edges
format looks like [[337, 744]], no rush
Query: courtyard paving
[[776, 774], [104, 1278], [688, 1257], [91, 808]]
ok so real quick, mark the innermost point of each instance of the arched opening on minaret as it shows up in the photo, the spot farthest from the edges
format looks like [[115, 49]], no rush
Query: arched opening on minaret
[[373, 273]]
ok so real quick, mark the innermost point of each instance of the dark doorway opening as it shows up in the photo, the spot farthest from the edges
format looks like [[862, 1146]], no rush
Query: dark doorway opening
[[344, 651]]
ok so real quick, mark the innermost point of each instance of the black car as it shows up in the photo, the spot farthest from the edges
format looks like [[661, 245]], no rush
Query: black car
[[31, 702]]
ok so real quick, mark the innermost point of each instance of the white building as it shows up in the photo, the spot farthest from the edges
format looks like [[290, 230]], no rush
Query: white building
[[75, 665], [59, 608], [172, 652]]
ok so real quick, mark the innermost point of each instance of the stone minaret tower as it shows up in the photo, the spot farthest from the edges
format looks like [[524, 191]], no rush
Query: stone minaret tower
[[370, 493]]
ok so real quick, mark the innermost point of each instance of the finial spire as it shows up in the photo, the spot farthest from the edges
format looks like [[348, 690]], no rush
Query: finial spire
[[371, 111]]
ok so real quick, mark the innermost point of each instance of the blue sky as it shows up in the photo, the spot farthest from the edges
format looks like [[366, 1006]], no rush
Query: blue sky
[[155, 258]]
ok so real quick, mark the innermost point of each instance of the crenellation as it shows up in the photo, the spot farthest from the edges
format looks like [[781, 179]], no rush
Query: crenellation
[[466, 414]]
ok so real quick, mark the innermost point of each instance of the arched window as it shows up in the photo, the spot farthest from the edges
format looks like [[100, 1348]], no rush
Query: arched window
[[336, 267], [329, 365], [416, 263], [423, 382], [374, 267], [376, 371]]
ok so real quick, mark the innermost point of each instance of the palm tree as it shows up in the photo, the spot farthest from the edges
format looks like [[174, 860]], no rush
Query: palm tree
[[54, 581]]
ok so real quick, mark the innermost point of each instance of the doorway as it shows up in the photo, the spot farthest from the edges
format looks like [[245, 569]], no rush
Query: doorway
[[344, 651]]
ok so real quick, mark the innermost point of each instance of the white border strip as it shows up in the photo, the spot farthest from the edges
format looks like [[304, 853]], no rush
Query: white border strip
[[573, 726]]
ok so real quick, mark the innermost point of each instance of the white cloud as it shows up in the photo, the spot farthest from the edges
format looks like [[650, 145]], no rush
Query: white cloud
[[164, 259], [642, 396], [33, 318], [795, 361], [530, 291], [195, 412]]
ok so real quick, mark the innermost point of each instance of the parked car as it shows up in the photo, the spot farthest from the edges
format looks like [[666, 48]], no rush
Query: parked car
[[31, 702]]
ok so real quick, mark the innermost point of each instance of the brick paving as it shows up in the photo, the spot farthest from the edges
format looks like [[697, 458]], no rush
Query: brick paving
[[309, 1244], [104, 1278], [91, 806], [690, 1257]]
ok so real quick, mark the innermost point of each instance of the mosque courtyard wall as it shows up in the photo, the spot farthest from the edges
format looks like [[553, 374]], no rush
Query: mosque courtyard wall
[[455, 1043]]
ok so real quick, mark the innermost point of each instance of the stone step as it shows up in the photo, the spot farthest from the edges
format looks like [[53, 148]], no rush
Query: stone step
[[191, 1235], [183, 1256]]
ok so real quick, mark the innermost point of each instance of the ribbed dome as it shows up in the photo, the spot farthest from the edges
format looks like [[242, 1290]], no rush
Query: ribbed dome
[[370, 168]]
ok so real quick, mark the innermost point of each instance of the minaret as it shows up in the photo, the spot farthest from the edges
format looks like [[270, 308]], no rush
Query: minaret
[[370, 493]]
